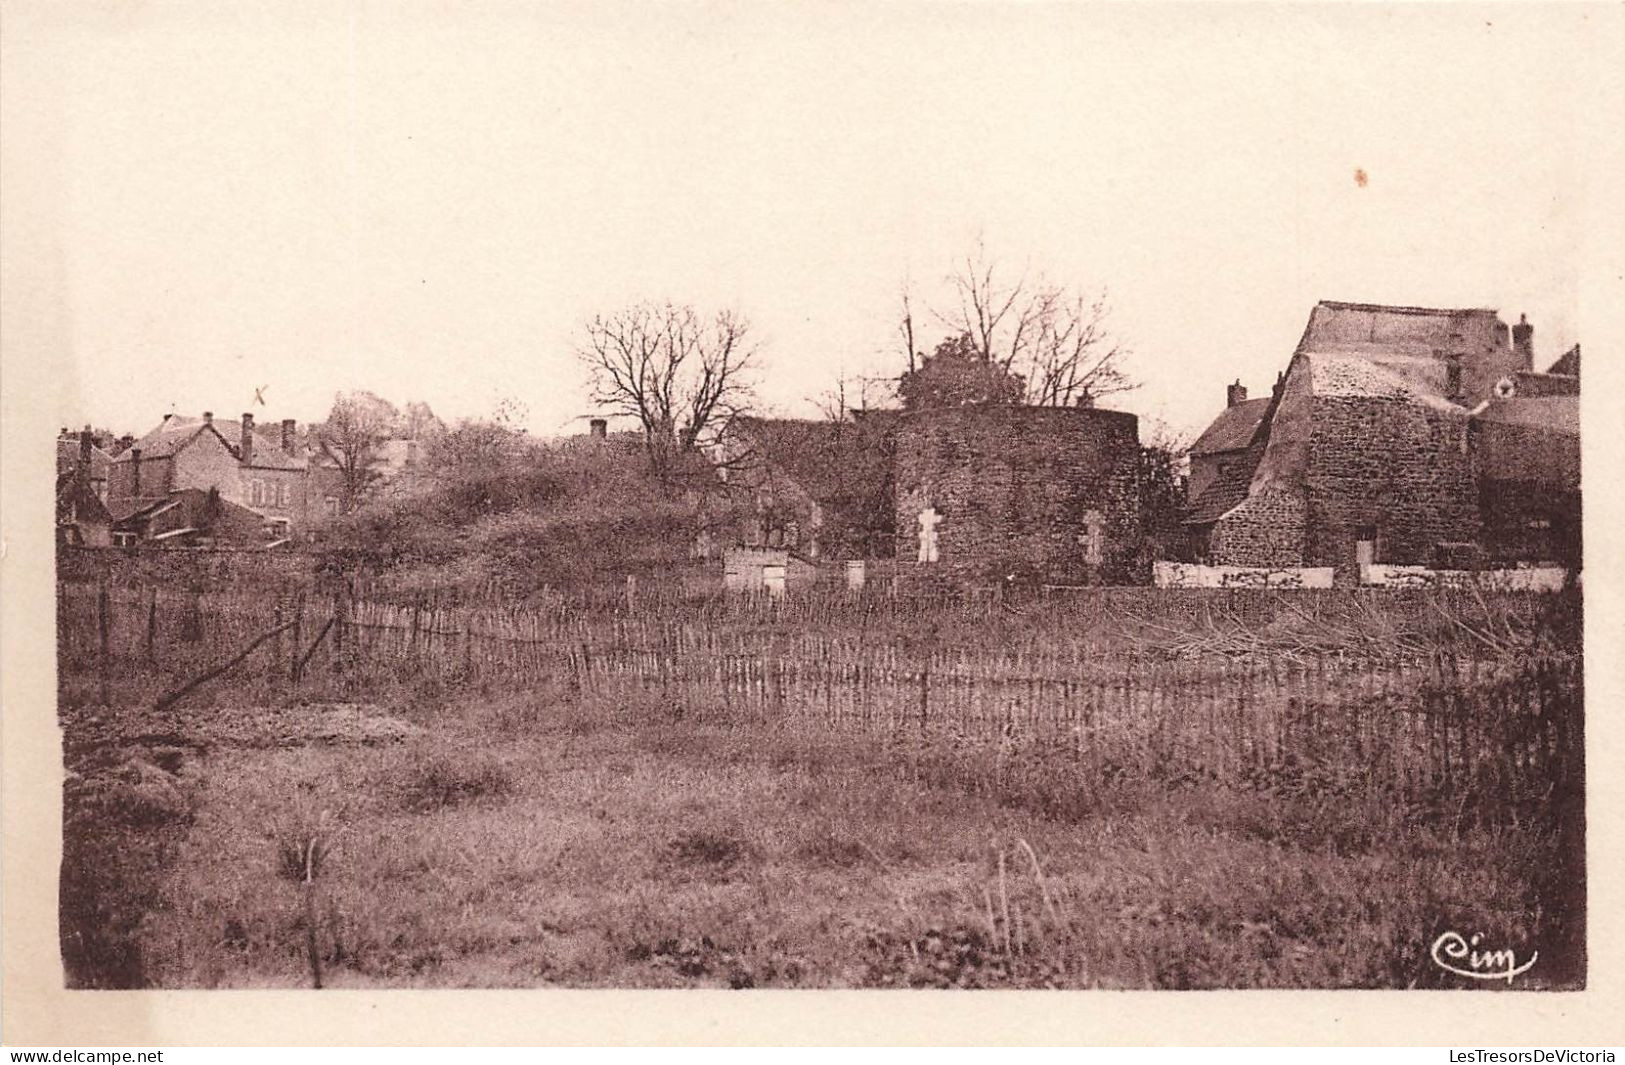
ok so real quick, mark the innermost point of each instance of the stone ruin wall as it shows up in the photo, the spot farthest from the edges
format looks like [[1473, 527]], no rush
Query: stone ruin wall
[[1266, 529], [1400, 466], [1015, 487]]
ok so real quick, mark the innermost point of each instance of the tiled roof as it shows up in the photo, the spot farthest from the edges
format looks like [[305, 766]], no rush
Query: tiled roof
[[1233, 429], [74, 496], [174, 433], [1530, 385], [67, 458], [825, 459], [178, 430], [1559, 414], [1227, 490]]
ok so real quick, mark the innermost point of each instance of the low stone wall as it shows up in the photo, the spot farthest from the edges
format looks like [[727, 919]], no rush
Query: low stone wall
[[201, 569], [1523, 579], [1187, 575]]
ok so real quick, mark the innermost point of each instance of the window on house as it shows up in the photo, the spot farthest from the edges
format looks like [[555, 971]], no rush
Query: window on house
[[282, 494], [124, 539], [332, 504], [1453, 379]]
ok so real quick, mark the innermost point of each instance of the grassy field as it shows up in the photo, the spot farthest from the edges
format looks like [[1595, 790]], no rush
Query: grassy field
[[493, 841], [1122, 790]]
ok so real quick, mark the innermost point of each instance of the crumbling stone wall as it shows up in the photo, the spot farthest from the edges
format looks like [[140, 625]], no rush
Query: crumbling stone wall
[[1397, 466], [1046, 493], [1265, 529]]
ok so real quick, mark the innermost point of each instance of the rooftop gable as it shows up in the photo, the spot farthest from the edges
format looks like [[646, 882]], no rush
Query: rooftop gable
[[179, 430], [1233, 429]]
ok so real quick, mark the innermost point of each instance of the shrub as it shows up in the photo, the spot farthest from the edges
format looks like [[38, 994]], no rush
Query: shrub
[[705, 847], [450, 776]]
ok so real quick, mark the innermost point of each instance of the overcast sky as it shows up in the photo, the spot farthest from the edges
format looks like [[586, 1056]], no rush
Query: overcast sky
[[425, 200]]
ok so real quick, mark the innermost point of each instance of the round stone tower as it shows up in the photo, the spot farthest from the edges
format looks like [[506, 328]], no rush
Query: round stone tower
[[1026, 493]]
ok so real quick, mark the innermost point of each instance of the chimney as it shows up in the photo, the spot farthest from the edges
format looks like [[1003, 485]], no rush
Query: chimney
[[246, 447], [598, 427], [135, 474], [208, 417], [1234, 394], [1523, 341], [1280, 384], [84, 454], [288, 435]]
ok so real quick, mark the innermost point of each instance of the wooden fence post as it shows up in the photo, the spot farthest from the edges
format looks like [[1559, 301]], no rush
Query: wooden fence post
[[338, 631], [925, 689], [298, 637], [276, 641], [468, 644], [152, 625], [103, 637]]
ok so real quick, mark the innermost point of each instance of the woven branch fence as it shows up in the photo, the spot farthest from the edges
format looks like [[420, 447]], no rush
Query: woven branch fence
[[1418, 726]]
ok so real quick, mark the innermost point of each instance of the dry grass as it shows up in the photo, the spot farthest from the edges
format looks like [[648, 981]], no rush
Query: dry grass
[[491, 835], [441, 775], [655, 855]]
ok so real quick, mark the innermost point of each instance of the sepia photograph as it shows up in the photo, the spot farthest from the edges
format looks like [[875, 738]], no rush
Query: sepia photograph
[[724, 497]]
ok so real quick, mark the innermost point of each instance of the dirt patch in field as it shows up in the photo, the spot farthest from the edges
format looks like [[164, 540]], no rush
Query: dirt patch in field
[[312, 724]]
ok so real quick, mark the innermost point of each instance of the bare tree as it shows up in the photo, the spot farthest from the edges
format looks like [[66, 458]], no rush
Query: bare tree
[[684, 376], [352, 438], [854, 392], [905, 328], [1054, 338]]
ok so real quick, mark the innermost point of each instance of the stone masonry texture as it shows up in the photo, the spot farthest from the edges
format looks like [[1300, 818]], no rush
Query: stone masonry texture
[[1018, 489]]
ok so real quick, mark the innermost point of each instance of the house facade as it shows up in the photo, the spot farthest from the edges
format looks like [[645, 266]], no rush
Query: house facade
[[1223, 445], [1526, 462], [80, 458], [1388, 439], [246, 466]]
